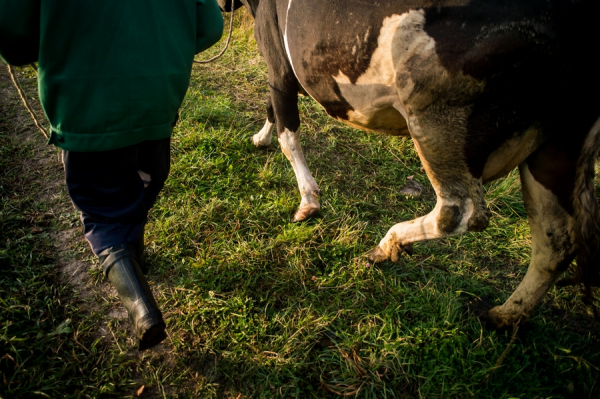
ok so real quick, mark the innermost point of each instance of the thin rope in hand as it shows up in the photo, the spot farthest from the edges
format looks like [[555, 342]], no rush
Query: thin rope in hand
[[228, 39], [25, 102]]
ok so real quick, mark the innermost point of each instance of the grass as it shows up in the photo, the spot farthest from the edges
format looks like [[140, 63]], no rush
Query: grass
[[259, 307]]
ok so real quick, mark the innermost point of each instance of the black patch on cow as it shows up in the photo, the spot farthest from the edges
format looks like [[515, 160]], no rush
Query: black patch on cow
[[270, 112], [285, 106], [560, 242], [533, 57], [554, 164], [479, 221], [449, 218], [468, 37]]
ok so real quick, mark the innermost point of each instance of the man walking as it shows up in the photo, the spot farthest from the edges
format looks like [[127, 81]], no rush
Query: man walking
[[112, 76]]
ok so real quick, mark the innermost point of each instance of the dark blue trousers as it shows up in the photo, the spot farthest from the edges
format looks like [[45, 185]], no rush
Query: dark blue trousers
[[113, 190]]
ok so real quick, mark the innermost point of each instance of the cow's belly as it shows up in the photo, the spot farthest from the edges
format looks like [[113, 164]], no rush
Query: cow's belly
[[384, 120], [374, 108], [511, 153]]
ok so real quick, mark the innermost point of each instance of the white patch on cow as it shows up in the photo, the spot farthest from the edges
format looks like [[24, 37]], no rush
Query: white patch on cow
[[511, 153], [263, 138], [400, 37], [309, 189], [285, 39]]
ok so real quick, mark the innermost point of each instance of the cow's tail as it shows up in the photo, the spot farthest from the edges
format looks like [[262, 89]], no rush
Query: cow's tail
[[587, 213]]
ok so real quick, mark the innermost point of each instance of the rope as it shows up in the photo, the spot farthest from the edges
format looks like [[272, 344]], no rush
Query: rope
[[25, 102], [228, 39]]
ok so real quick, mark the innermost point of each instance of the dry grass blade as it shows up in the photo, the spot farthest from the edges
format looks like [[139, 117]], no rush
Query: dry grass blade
[[501, 358]]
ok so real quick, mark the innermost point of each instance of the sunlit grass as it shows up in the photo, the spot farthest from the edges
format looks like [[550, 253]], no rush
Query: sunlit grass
[[258, 307]]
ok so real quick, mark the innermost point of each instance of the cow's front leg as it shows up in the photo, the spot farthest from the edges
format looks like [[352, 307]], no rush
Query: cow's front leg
[[451, 216], [309, 190], [553, 249], [460, 208], [284, 96], [263, 138]]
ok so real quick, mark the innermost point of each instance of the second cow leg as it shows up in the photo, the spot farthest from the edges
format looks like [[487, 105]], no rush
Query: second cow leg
[[263, 138], [552, 239]]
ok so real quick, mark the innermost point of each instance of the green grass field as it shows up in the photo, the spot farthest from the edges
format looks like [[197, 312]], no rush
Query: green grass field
[[259, 307]]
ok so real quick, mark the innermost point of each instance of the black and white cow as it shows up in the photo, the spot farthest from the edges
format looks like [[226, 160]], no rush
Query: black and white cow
[[481, 86]]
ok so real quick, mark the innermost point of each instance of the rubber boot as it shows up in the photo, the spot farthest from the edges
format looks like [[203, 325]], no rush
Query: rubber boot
[[119, 263], [138, 248]]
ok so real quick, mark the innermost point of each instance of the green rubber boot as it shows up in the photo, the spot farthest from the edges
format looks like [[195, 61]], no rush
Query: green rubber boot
[[120, 264]]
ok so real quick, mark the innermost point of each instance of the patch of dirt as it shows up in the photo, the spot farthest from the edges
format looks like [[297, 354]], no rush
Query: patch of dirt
[[45, 170], [74, 271]]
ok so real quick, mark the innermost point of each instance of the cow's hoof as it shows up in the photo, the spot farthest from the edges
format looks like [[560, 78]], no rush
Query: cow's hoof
[[495, 319], [378, 255], [479, 307], [259, 144], [490, 316], [305, 212]]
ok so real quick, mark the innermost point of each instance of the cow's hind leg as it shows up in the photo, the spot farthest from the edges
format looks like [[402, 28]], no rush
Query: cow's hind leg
[[263, 138], [553, 249]]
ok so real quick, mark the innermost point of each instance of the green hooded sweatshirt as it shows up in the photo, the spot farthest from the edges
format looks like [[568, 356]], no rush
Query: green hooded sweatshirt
[[112, 73]]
